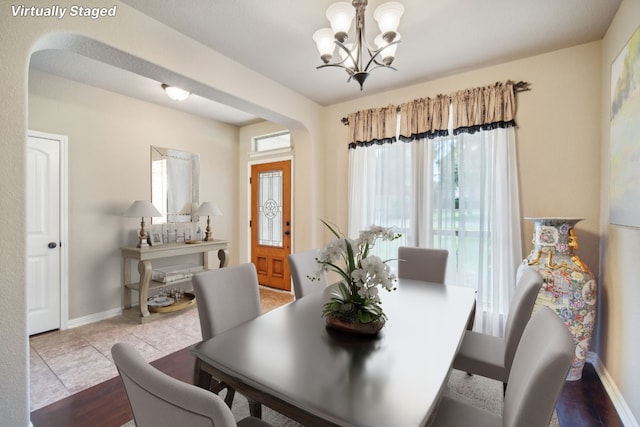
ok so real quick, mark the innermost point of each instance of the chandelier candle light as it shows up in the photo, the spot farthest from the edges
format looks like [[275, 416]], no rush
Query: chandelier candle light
[[352, 55]]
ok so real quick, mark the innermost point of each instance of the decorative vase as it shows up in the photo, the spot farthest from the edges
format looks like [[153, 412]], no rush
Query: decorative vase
[[569, 288], [356, 328]]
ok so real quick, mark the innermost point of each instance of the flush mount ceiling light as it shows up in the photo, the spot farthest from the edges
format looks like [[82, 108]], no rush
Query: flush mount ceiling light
[[175, 93], [351, 56]]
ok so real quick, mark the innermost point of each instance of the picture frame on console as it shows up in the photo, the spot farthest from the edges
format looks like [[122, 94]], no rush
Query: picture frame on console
[[156, 238]]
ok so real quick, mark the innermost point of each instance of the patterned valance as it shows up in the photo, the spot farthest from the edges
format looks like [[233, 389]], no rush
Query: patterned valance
[[374, 126], [487, 107], [424, 118]]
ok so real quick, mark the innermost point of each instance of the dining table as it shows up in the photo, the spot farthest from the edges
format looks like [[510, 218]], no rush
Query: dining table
[[290, 361]]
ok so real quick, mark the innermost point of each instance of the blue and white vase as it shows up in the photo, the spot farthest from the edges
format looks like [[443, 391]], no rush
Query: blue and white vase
[[569, 287]]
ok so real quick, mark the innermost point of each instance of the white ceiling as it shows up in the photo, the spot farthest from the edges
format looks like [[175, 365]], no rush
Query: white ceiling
[[273, 37]]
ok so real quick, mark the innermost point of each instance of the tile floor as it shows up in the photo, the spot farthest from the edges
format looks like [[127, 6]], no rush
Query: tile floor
[[65, 362]]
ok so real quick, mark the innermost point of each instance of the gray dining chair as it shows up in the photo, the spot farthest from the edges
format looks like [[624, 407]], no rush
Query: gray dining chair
[[226, 297], [427, 264], [303, 265], [159, 400], [491, 356], [540, 366]]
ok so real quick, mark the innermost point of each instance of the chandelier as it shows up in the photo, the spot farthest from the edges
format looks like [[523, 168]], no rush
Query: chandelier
[[351, 56]]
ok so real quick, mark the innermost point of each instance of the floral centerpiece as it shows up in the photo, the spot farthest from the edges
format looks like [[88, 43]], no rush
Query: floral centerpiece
[[355, 303]]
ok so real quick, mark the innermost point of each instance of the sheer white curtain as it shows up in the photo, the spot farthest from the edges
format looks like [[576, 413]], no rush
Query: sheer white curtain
[[458, 193], [381, 192], [487, 250]]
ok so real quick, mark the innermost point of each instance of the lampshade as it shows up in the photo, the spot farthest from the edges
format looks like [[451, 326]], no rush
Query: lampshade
[[348, 60], [388, 17], [324, 42], [141, 209], [387, 53], [208, 209], [340, 16], [175, 93]]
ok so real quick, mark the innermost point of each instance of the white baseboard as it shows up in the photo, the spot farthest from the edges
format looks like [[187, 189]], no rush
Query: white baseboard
[[81, 321], [624, 412]]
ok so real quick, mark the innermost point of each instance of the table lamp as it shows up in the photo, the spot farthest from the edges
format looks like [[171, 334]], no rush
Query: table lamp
[[208, 209], [142, 208]]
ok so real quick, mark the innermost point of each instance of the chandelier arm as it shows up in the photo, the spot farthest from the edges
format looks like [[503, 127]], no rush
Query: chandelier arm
[[378, 65], [339, 65], [349, 56], [374, 54]]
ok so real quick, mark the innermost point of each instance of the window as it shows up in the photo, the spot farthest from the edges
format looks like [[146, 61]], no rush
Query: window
[[455, 192], [275, 141]]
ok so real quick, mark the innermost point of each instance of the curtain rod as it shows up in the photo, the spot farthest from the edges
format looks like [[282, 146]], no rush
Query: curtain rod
[[520, 86]]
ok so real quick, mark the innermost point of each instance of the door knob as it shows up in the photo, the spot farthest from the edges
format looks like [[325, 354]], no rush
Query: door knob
[[52, 245]]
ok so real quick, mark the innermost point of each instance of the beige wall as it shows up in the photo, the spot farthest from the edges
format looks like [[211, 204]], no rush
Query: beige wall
[[109, 167], [558, 138], [619, 318]]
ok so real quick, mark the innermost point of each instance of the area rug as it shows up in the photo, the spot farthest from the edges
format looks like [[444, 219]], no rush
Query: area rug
[[475, 390]]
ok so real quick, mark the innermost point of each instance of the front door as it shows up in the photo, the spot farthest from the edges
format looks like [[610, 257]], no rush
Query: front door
[[43, 233], [271, 223]]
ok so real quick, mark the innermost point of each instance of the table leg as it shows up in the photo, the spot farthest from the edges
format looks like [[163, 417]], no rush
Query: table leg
[[126, 292], [200, 378], [205, 380], [255, 409], [144, 268], [472, 318], [223, 256]]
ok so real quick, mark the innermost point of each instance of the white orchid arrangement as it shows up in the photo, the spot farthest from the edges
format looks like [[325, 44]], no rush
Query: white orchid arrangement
[[356, 299]]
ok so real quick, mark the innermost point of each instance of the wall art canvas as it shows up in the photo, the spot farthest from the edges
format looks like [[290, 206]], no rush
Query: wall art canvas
[[624, 188]]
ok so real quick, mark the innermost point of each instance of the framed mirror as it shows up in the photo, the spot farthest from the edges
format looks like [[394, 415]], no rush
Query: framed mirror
[[174, 184]]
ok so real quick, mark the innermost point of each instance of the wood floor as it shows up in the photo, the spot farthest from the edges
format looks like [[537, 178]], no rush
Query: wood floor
[[582, 403], [585, 403]]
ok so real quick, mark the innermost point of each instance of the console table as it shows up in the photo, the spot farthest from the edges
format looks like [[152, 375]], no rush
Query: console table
[[146, 255]]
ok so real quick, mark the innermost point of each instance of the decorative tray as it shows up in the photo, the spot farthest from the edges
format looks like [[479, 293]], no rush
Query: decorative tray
[[187, 300], [158, 301]]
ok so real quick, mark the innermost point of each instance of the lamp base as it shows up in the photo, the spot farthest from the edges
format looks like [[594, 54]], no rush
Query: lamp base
[[208, 236], [143, 238]]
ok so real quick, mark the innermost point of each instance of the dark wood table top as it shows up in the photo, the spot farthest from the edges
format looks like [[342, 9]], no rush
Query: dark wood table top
[[288, 360]]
